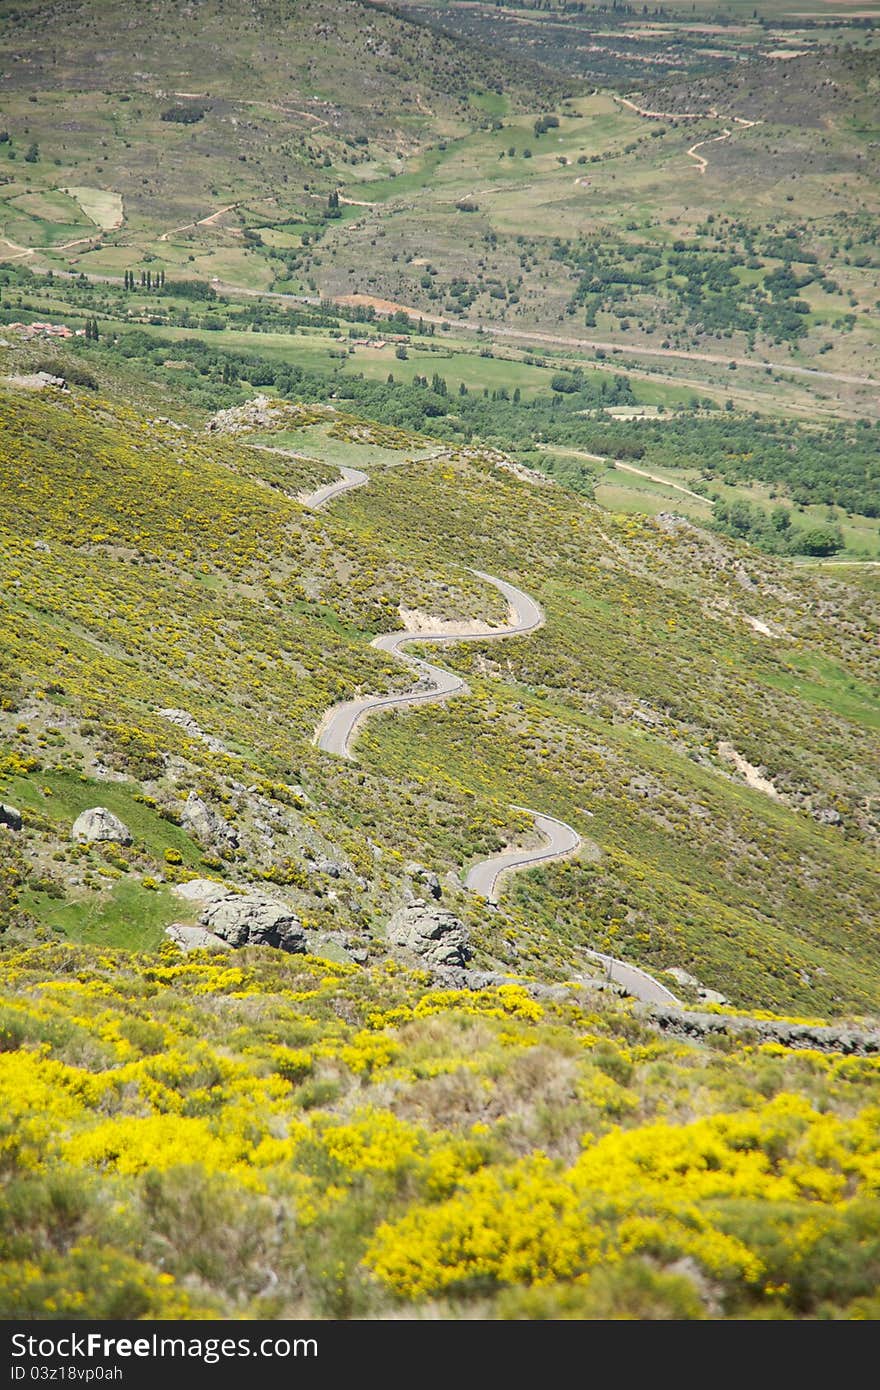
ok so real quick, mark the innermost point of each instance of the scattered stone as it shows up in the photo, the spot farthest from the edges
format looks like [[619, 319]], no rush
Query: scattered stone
[[682, 977], [98, 825], [191, 726], [711, 996], [251, 919], [208, 827], [328, 867], [828, 816], [35, 381], [456, 977], [685, 1023], [433, 933], [10, 816], [425, 876], [102, 773], [705, 995], [263, 412], [194, 938]]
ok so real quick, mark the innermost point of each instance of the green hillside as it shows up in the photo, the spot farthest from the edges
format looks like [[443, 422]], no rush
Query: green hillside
[[181, 572]]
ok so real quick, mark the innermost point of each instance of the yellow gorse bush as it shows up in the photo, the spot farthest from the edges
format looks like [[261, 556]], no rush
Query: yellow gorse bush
[[653, 1190], [128, 1080]]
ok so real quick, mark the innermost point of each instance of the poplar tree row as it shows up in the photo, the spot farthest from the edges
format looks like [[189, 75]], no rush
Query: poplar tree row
[[148, 279]]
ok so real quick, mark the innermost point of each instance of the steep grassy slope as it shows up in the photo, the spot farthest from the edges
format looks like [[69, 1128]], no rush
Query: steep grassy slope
[[181, 572], [256, 1134]]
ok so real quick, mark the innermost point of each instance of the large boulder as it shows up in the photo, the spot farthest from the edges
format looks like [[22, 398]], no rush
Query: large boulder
[[200, 890], [252, 919], [10, 816], [194, 938], [98, 825], [206, 824], [433, 933]]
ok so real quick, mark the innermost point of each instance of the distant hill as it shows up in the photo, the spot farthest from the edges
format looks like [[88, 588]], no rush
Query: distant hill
[[809, 91], [174, 99]]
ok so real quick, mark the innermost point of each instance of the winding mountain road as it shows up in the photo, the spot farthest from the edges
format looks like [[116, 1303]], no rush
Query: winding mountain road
[[351, 478], [338, 729], [562, 840], [636, 982]]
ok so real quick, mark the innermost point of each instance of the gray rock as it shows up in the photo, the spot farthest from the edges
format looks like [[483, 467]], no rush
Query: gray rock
[[433, 933], [425, 876], [10, 816], [201, 890], [252, 919], [208, 827], [98, 825], [455, 977], [712, 996], [682, 977], [194, 938], [828, 816], [706, 995], [690, 1024], [327, 866], [184, 720], [36, 381]]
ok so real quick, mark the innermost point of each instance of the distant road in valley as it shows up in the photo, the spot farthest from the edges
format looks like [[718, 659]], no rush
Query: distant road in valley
[[525, 335]]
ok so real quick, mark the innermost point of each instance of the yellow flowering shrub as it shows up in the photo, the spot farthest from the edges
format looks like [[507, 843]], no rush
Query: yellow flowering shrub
[[165, 1119], [655, 1189]]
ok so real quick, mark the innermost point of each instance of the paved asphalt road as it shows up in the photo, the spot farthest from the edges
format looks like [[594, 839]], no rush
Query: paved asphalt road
[[351, 478], [338, 728], [561, 840], [635, 981]]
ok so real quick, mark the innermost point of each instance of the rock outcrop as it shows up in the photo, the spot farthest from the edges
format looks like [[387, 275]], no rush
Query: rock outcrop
[[200, 890], [35, 381], [207, 825], [252, 919], [706, 995], [420, 874], [820, 1037], [98, 826], [194, 938], [190, 726], [434, 934], [10, 816]]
